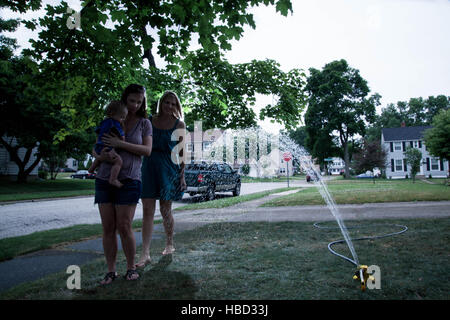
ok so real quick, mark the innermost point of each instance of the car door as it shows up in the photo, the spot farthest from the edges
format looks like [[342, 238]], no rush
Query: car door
[[228, 177], [220, 177]]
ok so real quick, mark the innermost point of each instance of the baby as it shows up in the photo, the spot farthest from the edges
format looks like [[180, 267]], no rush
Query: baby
[[116, 113]]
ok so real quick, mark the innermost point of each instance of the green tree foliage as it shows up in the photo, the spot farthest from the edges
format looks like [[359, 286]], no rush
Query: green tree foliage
[[413, 158], [32, 115], [94, 63], [437, 139], [415, 112], [71, 73], [337, 106], [54, 163], [370, 156], [222, 94], [298, 135]]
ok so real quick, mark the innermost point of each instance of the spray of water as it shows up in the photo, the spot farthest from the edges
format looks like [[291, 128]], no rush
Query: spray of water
[[287, 144], [261, 151]]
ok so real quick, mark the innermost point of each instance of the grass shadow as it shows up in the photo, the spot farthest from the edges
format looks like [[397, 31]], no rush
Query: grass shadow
[[156, 283]]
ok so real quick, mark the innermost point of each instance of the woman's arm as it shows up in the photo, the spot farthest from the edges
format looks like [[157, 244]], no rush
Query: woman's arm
[[144, 149]]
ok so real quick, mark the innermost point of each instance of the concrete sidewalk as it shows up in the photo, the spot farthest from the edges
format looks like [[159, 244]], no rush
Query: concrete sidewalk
[[40, 264]]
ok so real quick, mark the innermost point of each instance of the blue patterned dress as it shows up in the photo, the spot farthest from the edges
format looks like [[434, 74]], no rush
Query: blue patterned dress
[[160, 175]]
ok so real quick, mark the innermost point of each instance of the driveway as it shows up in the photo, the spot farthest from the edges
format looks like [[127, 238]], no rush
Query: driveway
[[26, 217]]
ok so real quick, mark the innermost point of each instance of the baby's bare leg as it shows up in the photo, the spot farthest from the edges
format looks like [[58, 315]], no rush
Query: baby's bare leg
[[94, 165], [115, 169]]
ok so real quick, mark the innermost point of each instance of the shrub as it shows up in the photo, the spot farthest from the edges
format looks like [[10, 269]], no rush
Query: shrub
[[43, 174]]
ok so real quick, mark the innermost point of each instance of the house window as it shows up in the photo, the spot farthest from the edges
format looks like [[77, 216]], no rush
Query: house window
[[190, 147], [74, 163], [206, 145], [398, 165], [434, 164], [397, 146], [416, 144]]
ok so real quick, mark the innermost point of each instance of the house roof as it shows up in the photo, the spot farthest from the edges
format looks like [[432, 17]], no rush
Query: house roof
[[404, 133]]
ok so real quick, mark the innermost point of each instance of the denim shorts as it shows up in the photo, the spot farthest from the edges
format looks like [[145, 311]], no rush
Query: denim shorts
[[128, 194]]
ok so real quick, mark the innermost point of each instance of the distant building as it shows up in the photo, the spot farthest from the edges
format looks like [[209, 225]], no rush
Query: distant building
[[200, 145], [336, 166], [396, 140]]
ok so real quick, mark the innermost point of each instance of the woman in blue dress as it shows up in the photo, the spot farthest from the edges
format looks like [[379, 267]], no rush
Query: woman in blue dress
[[163, 172]]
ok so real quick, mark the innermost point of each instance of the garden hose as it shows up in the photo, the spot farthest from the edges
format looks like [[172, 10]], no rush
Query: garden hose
[[361, 272]]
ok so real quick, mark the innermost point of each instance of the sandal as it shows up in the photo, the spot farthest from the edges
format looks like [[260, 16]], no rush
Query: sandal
[[131, 275], [109, 278]]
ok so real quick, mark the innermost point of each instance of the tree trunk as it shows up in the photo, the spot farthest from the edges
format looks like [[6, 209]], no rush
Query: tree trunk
[[21, 164], [24, 173], [346, 160]]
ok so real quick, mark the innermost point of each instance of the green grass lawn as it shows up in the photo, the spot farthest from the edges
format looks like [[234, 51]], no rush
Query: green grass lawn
[[230, 201], [344, 191], [246, 179], [41, 189], [15, 246], [263, 260], [357, 192], [284, 260]]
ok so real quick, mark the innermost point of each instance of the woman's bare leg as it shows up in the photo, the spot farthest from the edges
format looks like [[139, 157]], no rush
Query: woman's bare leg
[[125, 215], [108, 217], [148, 212], [165, 207]]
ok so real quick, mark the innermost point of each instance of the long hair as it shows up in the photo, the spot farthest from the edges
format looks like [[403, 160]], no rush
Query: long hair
[[136, 88], [179, 112]]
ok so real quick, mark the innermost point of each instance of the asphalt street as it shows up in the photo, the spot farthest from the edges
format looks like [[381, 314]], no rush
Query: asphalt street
[[26, 217]]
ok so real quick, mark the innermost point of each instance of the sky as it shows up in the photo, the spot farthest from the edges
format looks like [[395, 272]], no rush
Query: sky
[[401, 47]]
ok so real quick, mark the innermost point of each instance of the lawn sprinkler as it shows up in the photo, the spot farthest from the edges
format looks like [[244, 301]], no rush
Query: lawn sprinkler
[[362, 275], [362, 272]]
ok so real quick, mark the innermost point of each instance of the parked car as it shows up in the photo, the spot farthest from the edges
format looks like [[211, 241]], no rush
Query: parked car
[[207, 179], [314, 177], [83, 174], [367, 175]]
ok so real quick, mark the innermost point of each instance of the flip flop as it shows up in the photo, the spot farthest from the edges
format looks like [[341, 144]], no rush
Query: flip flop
[[130, 273]]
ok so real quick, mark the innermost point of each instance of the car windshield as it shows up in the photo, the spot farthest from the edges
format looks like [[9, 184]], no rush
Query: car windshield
[[196, 166]]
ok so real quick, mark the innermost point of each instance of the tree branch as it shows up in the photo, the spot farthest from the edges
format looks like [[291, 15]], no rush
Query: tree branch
[[147, 52]]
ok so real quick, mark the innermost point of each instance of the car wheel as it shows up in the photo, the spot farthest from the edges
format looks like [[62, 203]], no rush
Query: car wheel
[[210, 193], [237, 190]]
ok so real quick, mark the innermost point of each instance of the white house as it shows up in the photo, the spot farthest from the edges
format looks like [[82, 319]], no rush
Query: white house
[[396, 140], [200, 144], [336, 166]]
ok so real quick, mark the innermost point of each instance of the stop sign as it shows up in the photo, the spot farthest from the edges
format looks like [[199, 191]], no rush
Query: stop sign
[[287, 156]]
